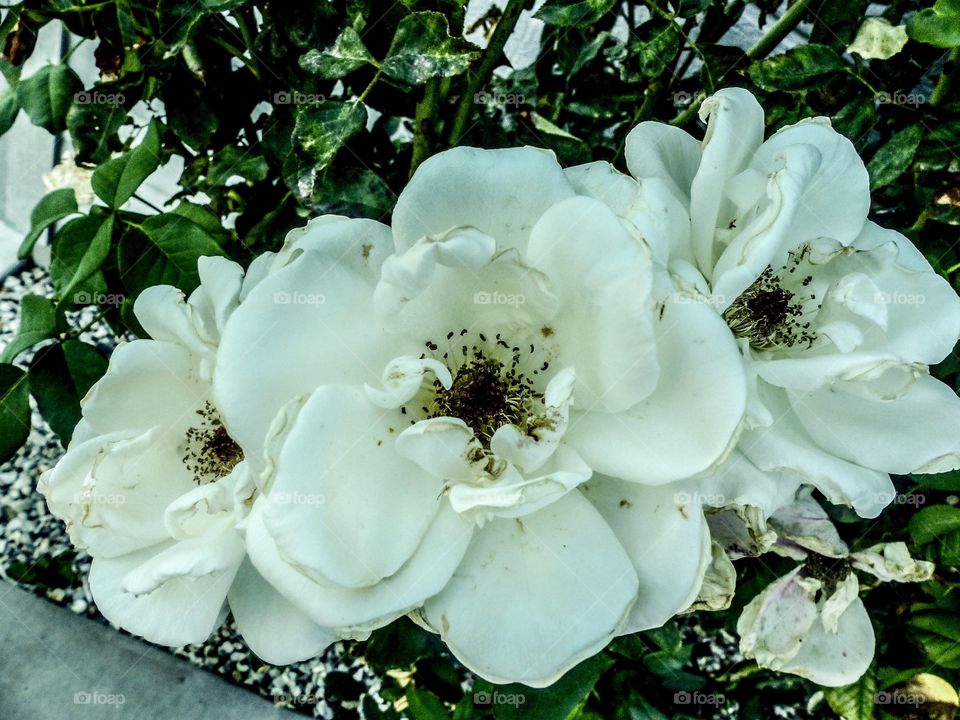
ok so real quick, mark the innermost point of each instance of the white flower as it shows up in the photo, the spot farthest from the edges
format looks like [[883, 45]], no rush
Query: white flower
[[811, 622], [440, 401], [838, 318], [154, 487]]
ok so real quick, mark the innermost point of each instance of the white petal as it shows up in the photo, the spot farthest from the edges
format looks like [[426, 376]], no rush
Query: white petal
[[217, 296], [343, 504], [787, 446], [308, 324], [666, 537], [502, 193], [273, 628], [734, 132], [536, 595], [211, 555], [689, 422], [444, 447], [835, 201], [604, 320], [425, 574], [403, 377], [805, 523], [915, 432], [891, 562], [182, 611], [661, 151]]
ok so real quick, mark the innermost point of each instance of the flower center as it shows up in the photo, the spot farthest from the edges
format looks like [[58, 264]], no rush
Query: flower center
[[771, 316], [210, 452], [492, 383]]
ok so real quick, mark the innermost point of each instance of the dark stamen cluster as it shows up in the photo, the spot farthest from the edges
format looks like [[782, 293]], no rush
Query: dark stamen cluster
[[211, 453], [489, 388], [770, 316]]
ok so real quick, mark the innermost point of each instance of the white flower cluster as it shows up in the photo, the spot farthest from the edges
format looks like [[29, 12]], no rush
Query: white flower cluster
[[544, 408]]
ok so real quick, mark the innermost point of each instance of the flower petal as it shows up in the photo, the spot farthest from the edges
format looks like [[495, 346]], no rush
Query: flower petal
[[555, 585], [605, 314], [913, 433], [689, 422], [502, 193], [665, 534], [343, 504], [273, 628], [181, 611], [425, 574], [661, 151]]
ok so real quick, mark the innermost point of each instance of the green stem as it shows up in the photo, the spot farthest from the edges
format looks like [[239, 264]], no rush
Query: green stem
[[491, 57], [237, 53], [781, 28], [945, 83], [366, 91], [768, 41], [424, 124]]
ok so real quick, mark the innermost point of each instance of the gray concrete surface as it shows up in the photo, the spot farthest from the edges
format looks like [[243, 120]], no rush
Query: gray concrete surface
[[55, 665]]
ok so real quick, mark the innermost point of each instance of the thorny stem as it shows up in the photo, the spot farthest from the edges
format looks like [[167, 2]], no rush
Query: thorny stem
[[424, 124]]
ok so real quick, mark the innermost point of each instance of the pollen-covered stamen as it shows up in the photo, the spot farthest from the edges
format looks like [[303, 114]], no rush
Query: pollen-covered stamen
[[771, 316], [210, 451], [493, 384]]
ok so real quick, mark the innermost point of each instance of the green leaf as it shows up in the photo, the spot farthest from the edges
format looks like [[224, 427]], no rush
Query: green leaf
[[234, 160], [46, 96], [938, 633], [322, 129], [38, 321], [53, 207], [938, 25], [164, 251], [398, 645], [79, 249], [560, 700], [9, 107], [797, 68], [93, 127], [940, 525], [117, 180], [424, 705], [653, 54], [894, 157], [579, 13], [14, 410], [949, 481], [856, 701], [60, 375], [348, 53], [422, 49]]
